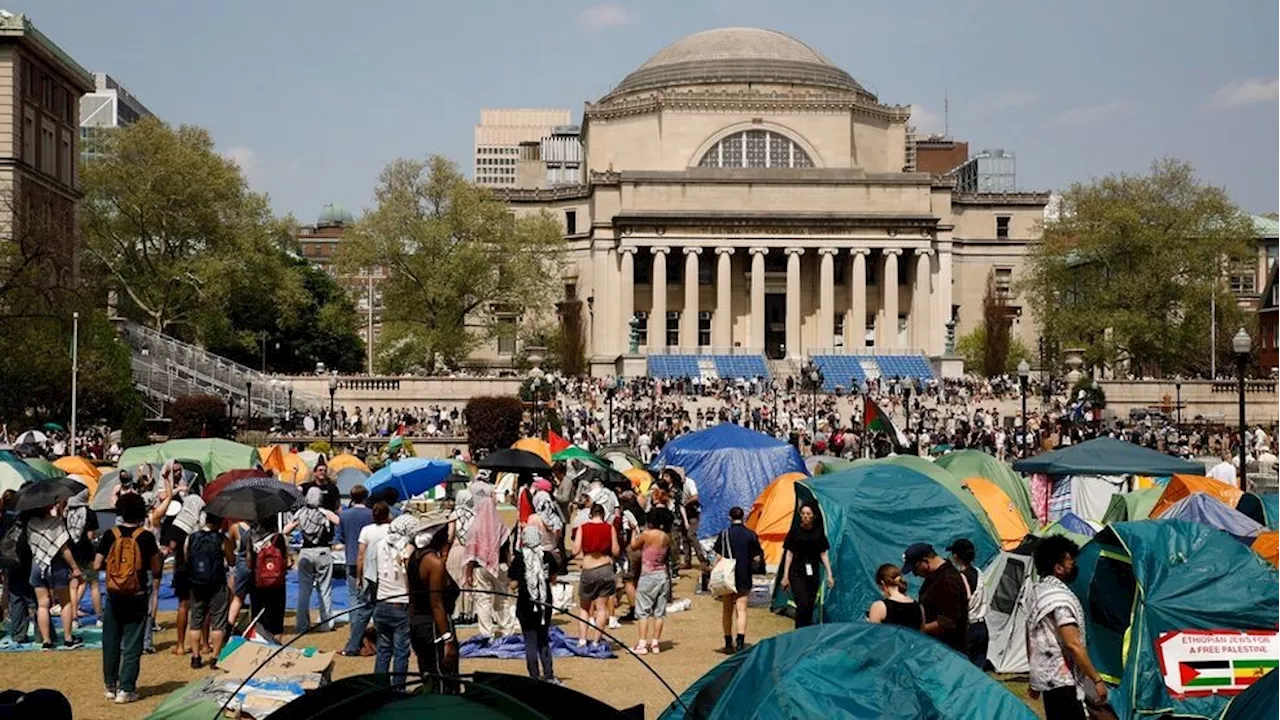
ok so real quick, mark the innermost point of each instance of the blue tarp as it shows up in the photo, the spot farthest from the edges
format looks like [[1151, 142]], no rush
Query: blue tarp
[[1208, 510], [511, 647], [730, 465]]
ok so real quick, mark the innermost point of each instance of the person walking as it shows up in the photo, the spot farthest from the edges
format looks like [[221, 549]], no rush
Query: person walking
[[894, 607], [653, 546], [391, 614], [532, 570], [208, 554], [432, 597], [131, 558], [483, 559], [315, 560], [943, 595], [53, 568], [805, 557], [366, 576], [1062, 675], [740, 544], [596, 545], [962, 556]]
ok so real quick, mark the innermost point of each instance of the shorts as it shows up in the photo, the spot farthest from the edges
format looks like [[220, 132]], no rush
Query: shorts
[[55, 577], [244, 581], [651, 595], [596, 583], [633, 566], [181, 585], [209, 604]]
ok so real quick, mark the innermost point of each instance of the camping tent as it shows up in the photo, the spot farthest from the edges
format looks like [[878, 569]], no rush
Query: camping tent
[[1009, 525], [1261, 700], [1007, 580], [1105, 456], [1261, 508], [965, 464], [870, 515], [214, 456], [1180, 486], [730, 465], [1267, 545], [1130, 506], [1071, 526], [941, 476], [1141, 580], [770, 515], [1208, 510], [847, 670]]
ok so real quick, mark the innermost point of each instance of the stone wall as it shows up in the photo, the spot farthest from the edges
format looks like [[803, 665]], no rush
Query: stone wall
[[400, 392], [1214, 401]]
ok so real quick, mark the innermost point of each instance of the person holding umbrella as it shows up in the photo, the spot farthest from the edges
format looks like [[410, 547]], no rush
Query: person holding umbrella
[[53, 567], [268, 552]]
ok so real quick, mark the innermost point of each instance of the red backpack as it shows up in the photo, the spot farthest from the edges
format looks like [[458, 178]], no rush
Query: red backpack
[[270, 565]]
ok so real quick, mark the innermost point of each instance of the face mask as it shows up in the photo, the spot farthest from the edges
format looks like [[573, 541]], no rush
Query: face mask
[[1072, 574]]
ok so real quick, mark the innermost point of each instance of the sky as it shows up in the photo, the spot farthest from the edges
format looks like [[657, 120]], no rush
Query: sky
[[314, 97]]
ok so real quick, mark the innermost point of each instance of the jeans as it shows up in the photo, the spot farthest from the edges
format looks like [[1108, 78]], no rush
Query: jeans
[[123, 628], [979, 639], [22, 604], [359, 617], [391, 622], [315, 571], [537, 647]]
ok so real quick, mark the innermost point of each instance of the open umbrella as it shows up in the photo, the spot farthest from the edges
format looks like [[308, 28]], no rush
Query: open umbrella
[[10, 479], [412, 476], [47, 493], [20, 467], [46, 468], [32, 437], [251, 502], [515, 461], [53, 427], [226, 480], [608, 477]]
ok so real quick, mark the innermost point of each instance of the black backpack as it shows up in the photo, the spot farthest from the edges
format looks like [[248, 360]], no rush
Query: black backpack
[[205, 559], [9, 547]]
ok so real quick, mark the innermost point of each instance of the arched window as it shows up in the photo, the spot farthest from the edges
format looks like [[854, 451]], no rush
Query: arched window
[[756, 149]]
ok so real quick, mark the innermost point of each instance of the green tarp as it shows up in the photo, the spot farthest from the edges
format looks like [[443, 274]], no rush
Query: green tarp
[[1130, 506], [943, 477], [1106, 456], [1140, 580], [214, 456], [870, 515], [965, 464], [847, 670]]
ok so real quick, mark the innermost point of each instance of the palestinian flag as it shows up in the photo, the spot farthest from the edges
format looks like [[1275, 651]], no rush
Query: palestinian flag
[[557, 442], [1206, 673], [873, 418]]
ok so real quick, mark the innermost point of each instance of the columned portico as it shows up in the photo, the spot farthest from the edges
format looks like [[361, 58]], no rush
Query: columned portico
[[755, 338], [921, 300], [942, 293], [793, 301], [855, 326], [689, 316], [658, 312], [722, 330], [889, 304], [626, 293], [826, 296]]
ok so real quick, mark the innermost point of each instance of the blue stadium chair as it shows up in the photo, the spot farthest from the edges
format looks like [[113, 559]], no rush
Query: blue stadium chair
[[842, 370], [740, 366]]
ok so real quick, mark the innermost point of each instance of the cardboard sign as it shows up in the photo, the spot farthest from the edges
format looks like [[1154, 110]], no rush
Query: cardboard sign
[[289, 663], [1207, 662]]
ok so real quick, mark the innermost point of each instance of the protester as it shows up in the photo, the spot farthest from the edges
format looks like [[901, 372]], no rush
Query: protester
[[354, 518], [82, 526], [331, 496], [391, 614], [53, 568], [533, 568], [169, 506], [943, 596], [208, 554], [962, 557], [1061, 671], [269, 559], [20, 596], [242, 573], [131, 558], [804, 549], [596, 545], [1225, 470], [315, 560], [741, 544], [366, 575], [654, 549], [482, 562], [432, 596], [895, 607], [459, 524], [633, 524]]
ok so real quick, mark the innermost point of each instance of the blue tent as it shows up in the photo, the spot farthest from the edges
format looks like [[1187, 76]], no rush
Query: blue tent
[[847, 670], [871, 514], [411, 477], [1208, 510], [730, 465]]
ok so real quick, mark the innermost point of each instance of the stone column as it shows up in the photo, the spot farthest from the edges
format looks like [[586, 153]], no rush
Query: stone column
[[612, 303], [826, 297], [755, 338], [658, 311], [942, 292], [722, 330], [793, 301], [855, 328], [889, 284], [689, 316], [921, 301], [600, 292], [626, 294]]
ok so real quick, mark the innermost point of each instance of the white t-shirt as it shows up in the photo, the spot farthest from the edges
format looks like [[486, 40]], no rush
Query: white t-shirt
[[690, 489], [369, 536], [1224, 472], [393, 579]]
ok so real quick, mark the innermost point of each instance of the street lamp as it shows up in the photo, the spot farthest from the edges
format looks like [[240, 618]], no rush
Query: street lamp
[[535, 389], [248, 402], [333, 390], [288, 416], [1242, 344], [1177, 391], [1024, 376]]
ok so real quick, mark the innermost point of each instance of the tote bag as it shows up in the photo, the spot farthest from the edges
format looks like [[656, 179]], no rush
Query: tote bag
[[724, 574]]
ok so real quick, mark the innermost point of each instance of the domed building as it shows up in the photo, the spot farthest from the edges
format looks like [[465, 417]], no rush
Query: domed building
[[745, 195]]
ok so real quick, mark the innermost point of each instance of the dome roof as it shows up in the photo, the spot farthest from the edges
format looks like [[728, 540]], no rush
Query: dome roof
[[737, 55], [334, 214]]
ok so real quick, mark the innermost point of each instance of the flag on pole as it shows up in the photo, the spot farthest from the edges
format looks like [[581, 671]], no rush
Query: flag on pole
[[259, 634], [873, 418], [557, 442]]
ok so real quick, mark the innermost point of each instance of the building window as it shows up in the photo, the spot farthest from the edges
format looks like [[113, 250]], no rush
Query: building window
[[571, 222], [837, 339], [1243, 280], [642, 328], [642, 268], [704, 270], [29, 136], [1002, 227], [48, 149], [506, 336], [756, 149], [704, 329], [1004, 282], [673, 328], [869, 340], [64, 158]]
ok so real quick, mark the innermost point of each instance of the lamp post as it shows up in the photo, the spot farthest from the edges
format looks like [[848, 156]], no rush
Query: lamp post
[[1177, 398], [75, 372], [288, 416], [609, 392], [1024, 377], [1242, 344], [333, 419], [248, 403], [535, 391]]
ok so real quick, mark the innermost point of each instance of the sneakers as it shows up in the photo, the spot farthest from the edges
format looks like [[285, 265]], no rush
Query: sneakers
[[582, 642], [109, 693], [614, 624], [196, 662], [149, 651], [46, 647], [74, 643], [123, 698], [554, 681], [654, 647]]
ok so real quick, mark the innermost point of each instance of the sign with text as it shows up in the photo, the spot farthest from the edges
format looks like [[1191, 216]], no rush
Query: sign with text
[[1207, 662]]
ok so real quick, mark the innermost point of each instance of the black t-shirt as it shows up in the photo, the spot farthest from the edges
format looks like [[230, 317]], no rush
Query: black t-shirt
[[82, 549], [807, 547], [146, 543], [175, 538], [943, 595], [330, 496]]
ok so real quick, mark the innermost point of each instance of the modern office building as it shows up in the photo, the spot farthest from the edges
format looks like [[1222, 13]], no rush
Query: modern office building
[[498, 138], [108, 106], [990, 171]]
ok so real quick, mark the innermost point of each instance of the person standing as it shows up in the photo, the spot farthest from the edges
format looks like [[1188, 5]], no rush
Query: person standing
[[962, 557], [459, 525], [653, 548], [82, 526], [894, 607], [269, 560], [19, 593], [1062, 675], [331, 496], [241, 573], [532, 570], [1225, 470], [943, 596], [806, 555], [131, 557], [53, 568], [432, 597], [208, 553], [741, 544], [391, 614], [366, 576], [596, 544], [315, 561], [482, 561], [354, 518]]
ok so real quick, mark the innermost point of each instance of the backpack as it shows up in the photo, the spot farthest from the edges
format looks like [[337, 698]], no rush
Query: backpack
[[124, 562], [269, 566], [206, 562], [9, 544]]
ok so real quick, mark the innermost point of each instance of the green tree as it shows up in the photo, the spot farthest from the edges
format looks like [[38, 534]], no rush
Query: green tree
[[453, 253], [972, 347], [996, 329], [1131, 265]]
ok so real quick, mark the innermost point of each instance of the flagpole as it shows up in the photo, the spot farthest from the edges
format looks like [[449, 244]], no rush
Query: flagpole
[[75, 369]]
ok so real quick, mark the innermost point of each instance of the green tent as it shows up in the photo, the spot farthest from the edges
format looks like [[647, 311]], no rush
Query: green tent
[[46, 468], [847, 670], [870, 514], [1130, 506], [214, 456], [1141, 581], [965, 464], [1058, 529], [20, 467], [835, 466], [941, 476], [1106, 456]]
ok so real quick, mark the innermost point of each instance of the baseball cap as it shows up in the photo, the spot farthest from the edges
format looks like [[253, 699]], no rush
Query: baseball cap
[[914, 554]]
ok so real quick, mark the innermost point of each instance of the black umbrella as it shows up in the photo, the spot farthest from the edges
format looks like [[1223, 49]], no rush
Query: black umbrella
[[46, 493], [514, 461], [251, 502], [608, 477]]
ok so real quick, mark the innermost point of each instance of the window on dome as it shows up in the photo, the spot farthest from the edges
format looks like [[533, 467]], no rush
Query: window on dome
[[756, 149]]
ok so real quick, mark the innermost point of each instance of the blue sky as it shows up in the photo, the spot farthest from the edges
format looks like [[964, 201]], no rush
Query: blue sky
[[314, 97]]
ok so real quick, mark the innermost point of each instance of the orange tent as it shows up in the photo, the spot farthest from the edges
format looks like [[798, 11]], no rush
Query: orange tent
[[1181, 486], [1268, 546], [771, 514], [272, 458], [1010, 526], [295, 468], [76, 465], [536, 446], [346, 460]]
